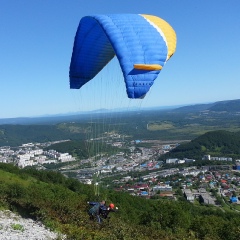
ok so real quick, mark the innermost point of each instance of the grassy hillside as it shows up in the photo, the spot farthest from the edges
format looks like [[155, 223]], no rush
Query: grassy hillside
[[61, 204]]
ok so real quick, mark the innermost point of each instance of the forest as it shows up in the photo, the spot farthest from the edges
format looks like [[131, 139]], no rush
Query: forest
[[61, 204], [216, 143]]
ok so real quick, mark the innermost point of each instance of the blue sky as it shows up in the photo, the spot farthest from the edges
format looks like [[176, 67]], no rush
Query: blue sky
[[36, 46]]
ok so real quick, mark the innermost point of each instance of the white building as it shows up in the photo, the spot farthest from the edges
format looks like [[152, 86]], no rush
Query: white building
[[25, 163], [171, 160], [164, 187], [25, 157], [65, 157]]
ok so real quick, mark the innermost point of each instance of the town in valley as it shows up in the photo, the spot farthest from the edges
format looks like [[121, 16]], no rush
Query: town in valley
[[138, 171]]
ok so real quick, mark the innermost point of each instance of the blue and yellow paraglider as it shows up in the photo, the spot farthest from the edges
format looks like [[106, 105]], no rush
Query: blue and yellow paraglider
[[142, 44]]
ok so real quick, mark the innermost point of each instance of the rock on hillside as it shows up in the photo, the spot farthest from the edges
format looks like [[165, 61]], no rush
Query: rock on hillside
[[14, 227]]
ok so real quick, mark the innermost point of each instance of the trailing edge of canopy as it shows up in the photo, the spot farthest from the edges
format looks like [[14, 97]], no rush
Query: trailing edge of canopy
[[167, 31]]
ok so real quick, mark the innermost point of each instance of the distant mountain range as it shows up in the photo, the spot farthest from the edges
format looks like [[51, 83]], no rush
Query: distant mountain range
[[73, 116], [228, 106]]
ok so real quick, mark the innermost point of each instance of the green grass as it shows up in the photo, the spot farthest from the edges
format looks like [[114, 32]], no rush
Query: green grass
[[191, 130], [160, 126], [13, 178], [17, 227]]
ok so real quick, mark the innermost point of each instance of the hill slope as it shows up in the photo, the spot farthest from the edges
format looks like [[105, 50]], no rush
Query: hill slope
[[216, 143], [221, 106], [60, 203], [228, 106]]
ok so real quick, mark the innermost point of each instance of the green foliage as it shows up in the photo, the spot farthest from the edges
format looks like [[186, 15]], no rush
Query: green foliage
[[15, 135], [61, 204], [216, 143], [17, 227]]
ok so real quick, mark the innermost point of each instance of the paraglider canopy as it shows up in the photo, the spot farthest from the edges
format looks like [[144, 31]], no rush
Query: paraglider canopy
[[142, 44]]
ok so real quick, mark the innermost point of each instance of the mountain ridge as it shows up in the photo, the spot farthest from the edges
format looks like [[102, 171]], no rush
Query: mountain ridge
[[226, 105]]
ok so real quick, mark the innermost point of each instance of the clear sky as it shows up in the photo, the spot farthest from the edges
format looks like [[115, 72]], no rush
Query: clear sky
[[36, 45]]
